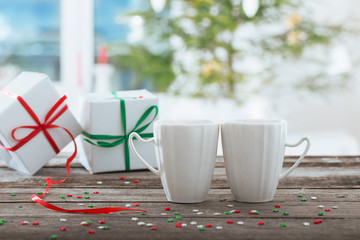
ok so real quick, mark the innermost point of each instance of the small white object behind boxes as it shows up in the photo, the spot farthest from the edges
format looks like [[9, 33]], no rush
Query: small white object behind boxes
[[40, 95], [102, 115]]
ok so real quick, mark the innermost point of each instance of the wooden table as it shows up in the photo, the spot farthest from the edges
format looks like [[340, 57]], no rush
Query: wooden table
[[334, 181]]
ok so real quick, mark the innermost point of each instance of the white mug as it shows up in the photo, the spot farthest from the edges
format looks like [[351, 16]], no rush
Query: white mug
[[186, 154], [253, 155]]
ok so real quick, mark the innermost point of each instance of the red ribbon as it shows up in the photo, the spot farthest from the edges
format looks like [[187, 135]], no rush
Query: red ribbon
[[51, 117]]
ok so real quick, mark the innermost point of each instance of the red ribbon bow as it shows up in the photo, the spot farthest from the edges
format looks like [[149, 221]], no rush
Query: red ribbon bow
[[50, 118]]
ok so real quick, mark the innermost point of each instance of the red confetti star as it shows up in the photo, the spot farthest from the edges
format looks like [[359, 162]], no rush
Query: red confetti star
[[317, 221], [277, 206], [35, 223], [208, 225], [167, 208], [122, 178], [85, 224], [261, 223], [136, 181], [96, 192], [69, 195], [136, 204], [327, 210], [62, 229], [91, 232], [230, 221], [102, 221], [178, 225], [79, 196], [251, 213], [237, 211], [153, 228], [23, 223], [140, 96]]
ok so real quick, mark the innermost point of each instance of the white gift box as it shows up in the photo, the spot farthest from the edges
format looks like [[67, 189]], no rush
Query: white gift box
[[40, 95], [101, 114]]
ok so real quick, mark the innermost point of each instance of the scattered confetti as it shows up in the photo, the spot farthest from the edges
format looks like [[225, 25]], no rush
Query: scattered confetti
[[313, 198], [321, 206], [193, 223], [317, 221], [229, 221], [62, 229], [219, 227], [261, 223], [91, 232], [240, 223], [167, 208], [306, 224], [277, 206], [141, 223], [282, 224], [136, 181]]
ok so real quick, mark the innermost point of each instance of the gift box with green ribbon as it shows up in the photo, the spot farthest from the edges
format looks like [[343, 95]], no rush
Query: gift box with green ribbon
[[108, 119]]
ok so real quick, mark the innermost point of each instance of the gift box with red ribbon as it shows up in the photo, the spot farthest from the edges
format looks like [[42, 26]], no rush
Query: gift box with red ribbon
[[35, 122], [107, 120]]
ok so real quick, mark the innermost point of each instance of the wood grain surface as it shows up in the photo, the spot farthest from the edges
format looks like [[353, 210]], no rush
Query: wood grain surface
[[334, 181]]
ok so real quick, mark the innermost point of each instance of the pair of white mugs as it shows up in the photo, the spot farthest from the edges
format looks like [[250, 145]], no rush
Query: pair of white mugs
[[186, 154]]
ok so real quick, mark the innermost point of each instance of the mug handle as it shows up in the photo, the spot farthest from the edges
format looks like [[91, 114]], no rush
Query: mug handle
[[132, 146], [305, 139]]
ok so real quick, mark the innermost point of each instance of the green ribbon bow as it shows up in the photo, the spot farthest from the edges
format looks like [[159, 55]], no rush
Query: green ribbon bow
[[120, 139]]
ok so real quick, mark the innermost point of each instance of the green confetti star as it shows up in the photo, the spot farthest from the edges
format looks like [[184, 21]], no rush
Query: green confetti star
[[90, 206], [54, 236], [106, 228], [86, 192], [170, 220], [39, 193], [320, 213], [62, 197], [286, 213], [89, 222], [178, 217], [143, 213], [303, 199], [300, 195], [201, 229], [176, 213], [122, 212], [13, 194], [257, 213], [276, 210], [227, 213], [282, 224], [87, 197]]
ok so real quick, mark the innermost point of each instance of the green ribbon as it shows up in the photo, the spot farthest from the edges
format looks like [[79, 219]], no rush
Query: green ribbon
[[120, 139]]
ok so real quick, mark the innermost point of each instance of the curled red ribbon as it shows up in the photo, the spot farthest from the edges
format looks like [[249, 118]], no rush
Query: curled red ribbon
[[51, 117]]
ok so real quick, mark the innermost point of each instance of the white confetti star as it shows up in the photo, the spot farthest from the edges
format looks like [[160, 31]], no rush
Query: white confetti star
[[240, 223], [321, 206], [217, 213], [195, 210], [313, 198], [334, 207], [63, 220], [253, 211], [149, 224], [306, 224], [163, 214], [219, 227], [199, 213], [126, 182], [200, 226], [230, 205], [99, 182], [128, 205], [100, 227], [134, 219], [193, 223], [184, 225], [141, 223], [81, 204]]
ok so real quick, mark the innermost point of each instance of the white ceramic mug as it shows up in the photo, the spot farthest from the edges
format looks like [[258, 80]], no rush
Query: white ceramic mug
[[186, 154], [253, 155]]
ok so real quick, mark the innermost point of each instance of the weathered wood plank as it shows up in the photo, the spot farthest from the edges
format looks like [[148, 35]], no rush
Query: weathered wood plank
[[123, 227], [158, 195]]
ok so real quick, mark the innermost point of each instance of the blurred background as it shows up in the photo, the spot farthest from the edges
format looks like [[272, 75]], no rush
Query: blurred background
[[215, 59]]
